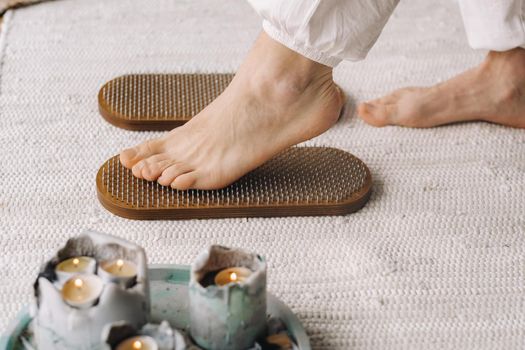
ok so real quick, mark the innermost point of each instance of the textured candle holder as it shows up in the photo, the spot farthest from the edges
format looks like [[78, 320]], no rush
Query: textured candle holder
[[166, 337], [58, 325], [232, 316], [169, 291]]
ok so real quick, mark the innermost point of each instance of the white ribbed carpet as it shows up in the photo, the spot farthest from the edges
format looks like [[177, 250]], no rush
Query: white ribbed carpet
[[434, 261]]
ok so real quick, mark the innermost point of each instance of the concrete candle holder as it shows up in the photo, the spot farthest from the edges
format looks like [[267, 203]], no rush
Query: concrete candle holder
[[59, 325], [115, 336], [229, 316]]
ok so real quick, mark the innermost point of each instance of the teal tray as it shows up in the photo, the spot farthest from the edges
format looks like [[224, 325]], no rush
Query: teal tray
[[169, 291]]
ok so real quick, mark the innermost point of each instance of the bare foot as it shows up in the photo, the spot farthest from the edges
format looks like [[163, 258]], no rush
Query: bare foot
[[277, 99], [494, 92]]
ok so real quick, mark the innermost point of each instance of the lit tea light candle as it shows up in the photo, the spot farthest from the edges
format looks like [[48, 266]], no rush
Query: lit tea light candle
[[142, 342], [232, 275], [75, 266], [82, 291], [119, 271]]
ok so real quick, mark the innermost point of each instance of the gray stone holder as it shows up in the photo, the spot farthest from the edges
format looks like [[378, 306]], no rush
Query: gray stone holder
[[59, 326], [231, 316]]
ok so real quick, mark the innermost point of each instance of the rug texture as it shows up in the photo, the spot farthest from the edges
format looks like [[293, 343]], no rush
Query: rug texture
[[436, 260]]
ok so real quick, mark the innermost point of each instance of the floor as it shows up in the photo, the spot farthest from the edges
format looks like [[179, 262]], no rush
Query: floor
[[434, 261]]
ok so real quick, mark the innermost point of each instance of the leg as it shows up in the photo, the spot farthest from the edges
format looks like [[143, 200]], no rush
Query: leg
[[493, 91], [282, 94]]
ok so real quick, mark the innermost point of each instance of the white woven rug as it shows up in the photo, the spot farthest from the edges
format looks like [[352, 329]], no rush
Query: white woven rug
[[435, 260]]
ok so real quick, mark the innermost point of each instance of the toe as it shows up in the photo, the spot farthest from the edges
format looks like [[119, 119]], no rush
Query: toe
[[376, 114], [154, 166], [171, 173], [185, 181], [127, 156], [131, 156], [137, 169]]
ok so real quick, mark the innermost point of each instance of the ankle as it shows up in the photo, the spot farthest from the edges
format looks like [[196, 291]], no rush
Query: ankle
[[506, 73], [507, 62], [277, 59], [275, 70]]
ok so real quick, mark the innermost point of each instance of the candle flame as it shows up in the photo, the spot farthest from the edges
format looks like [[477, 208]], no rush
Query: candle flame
[[79, 283], [76, 262], [233, 276], [120, 263], [137, 344]]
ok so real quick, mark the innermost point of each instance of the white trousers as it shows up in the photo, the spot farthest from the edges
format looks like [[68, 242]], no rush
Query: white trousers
[[329, 31]]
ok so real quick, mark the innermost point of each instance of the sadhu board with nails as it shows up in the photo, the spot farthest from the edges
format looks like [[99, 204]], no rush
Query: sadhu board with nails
[[300, 181], [158, 101]]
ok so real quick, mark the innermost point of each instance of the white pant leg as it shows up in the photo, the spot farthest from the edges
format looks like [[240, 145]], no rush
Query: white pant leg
[[497, 25], [326, 31]]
